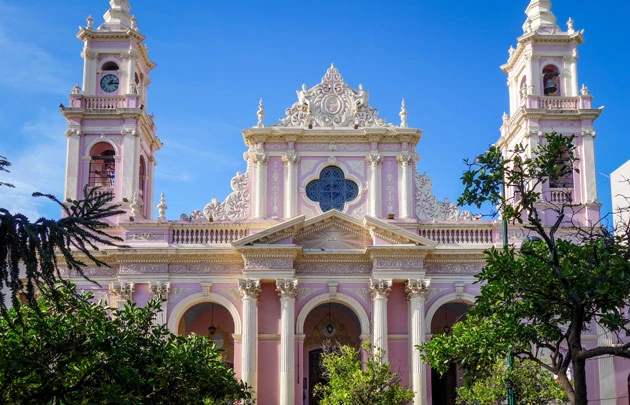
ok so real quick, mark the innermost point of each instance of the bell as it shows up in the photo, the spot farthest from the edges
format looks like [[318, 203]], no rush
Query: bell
[[550, 86]]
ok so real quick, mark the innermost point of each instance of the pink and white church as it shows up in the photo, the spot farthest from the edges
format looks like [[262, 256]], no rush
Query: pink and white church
[[331, 234]]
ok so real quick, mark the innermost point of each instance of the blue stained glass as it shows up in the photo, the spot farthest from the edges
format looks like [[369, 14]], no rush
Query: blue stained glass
[[332, 190]]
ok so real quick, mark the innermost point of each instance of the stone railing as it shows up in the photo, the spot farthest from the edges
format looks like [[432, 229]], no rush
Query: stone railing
[[104, 103], [560, 195], [458, 236], [208, 234], [558, 103]]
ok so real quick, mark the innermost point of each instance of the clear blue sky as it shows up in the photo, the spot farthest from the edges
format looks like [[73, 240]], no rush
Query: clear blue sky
[[217, 58]]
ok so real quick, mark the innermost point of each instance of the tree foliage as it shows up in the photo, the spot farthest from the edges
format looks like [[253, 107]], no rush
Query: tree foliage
[[566, 278], [82, 352], [29, 251], [349, 383]]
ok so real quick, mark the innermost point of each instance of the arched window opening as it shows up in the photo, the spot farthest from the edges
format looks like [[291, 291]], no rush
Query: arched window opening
[[564, 170], [109, 66], [551, 81], [142, 181], [102, 166], [332, 190]]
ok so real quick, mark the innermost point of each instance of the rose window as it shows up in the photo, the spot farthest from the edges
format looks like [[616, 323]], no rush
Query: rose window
[[332, 190]]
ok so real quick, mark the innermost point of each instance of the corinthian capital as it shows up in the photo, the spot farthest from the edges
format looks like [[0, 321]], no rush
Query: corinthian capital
[[374, 159], [290, 158], [159, 289], [417, 288], [258, 156], [405, 158], [249, 288], [380, 288], [287, 288], [123, 290]]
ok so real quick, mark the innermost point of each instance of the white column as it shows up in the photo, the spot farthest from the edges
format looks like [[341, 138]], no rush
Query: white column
[[290, 160], [73, 164], [406, 196], [159, 290], [89, 71], [380, 292], [249, 289], [259, 158], [416, 291], [287, 289], [588, 171], [374, 184], [606, 370]]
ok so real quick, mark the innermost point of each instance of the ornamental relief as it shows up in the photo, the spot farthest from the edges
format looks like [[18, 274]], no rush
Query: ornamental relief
[[275, 188], [236, 205], [205, 268], [305, 292], [357, 166], [360, 292], [268, 264], [333, 238], [332, 103], [453, 268], [88, 271], [403, 264], [307, 166], [144, 236], [145, 268], [333, 268], [427, 206]]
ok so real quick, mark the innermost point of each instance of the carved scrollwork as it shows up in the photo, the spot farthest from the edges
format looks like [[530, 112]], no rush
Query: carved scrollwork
[[380, 288], [332, 103], [236, 205], [417, 288], [427, 206]]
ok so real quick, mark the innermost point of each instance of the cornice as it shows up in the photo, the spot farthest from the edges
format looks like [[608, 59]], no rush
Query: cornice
[[86, 34], [536, 38]]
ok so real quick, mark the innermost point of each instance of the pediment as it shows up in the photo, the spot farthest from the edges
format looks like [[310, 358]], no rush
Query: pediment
[[334, 231]]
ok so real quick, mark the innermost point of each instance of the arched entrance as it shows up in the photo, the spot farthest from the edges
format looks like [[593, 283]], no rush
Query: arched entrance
[[213, 320], [443, 386], [328, 325]]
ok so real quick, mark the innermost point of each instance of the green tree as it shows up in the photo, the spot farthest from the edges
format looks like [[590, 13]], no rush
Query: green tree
[[538, 299], [350, 382], [29, 251], [81, 352]]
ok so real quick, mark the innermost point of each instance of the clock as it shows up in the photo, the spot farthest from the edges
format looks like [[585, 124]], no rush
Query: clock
[[109, 83]]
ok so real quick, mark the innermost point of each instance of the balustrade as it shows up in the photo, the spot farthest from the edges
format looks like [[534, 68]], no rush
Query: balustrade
[[104, 103], [558, 103], [560, 195], [459, 236], [208, 235]]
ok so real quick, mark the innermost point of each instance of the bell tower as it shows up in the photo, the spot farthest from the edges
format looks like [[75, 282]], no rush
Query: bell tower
[[544, 97], [111, 138]]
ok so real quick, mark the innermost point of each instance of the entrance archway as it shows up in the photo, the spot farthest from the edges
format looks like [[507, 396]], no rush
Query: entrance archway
[[328, 325], [210, 319], [443, 386]]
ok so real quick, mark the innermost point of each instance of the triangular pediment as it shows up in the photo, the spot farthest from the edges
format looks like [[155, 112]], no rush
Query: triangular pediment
[[334, 231]]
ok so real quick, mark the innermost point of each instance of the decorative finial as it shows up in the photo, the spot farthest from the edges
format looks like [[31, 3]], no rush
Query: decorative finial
[[585, 91], [162, 207], [511, 50], [135, 205], [261, 114], [76, 89], [403, 114], [134, 23], [570, 29], [90, 22], [505, 117]]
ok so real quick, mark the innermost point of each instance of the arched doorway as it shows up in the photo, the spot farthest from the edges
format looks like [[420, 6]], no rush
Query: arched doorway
[[328, 325], [213, 320], [443, 386]]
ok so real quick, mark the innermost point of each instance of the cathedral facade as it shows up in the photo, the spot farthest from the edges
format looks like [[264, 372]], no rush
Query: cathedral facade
[[331, 235]]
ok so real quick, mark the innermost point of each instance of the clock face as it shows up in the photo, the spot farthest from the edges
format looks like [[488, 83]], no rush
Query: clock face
[[109, 83]]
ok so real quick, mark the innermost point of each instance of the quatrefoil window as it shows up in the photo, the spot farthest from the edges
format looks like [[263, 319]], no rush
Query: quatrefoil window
[[332, 190]]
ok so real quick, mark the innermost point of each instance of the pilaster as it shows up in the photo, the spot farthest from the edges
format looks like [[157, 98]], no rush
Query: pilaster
[[290, 160], [159, 290], [374, 160]]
